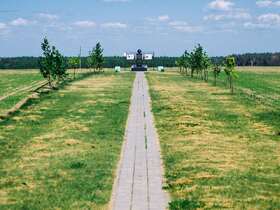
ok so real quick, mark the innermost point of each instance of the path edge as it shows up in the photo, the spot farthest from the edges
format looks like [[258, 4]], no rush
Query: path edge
[[118, 169], [162, 167]]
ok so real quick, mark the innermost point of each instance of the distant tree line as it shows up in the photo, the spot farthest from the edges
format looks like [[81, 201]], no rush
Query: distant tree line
[[86, 62], [253, 59], [249, 59]]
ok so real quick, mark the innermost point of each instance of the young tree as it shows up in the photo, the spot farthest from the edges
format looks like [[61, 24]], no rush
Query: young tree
[[230, 71], [180, 63], [199, 62], [206, 63], [196, 61], [46, 62], [60, 69], [98, 58], [52, 64], [216, 71], [186, 61], [74, 63]]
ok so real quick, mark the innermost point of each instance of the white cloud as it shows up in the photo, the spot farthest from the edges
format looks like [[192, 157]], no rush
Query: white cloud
[[21, 22], [238, 15], [163, 18], [114, 25], [270, 18], [268, 3], [264, 21], [224, 5], [250, 25], [48, 16], [176, 23], [85, 24], [184, 27], [3, 26]]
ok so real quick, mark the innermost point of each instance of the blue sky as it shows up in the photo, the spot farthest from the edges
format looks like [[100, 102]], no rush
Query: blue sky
[[167, 27]]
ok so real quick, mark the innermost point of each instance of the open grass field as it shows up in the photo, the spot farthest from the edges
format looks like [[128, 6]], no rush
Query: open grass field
[[16, 85], [220, 151], [16, 79], [61, 151]]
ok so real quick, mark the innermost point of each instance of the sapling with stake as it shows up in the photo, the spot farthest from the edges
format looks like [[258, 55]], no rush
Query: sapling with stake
[[74, 62], [216, 71], [230, 71]]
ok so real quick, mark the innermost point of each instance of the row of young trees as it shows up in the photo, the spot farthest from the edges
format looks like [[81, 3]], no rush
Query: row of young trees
[[53, 65], [197, 62]]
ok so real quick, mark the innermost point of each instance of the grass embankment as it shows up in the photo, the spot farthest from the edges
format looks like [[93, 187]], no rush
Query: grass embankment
[[264, 85], [60, 152], [12, 80], [219, 150], [15, 85]]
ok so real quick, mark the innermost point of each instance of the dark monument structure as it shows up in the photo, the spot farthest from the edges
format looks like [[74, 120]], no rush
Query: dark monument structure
[[139, 59]]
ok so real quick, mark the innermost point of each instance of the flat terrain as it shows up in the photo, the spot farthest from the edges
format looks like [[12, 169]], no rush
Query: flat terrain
[[220, 150], [15, 85], [139, 182], [15, 79], [61, 151]]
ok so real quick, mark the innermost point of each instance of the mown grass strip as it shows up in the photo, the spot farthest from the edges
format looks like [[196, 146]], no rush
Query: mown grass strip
[[61, 150], [217, 152]]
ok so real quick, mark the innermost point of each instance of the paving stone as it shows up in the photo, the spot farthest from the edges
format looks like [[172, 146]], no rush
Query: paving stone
[[138, 185]]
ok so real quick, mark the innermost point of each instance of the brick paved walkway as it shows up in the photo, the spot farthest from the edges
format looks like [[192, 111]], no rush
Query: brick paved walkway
[[139, 182]]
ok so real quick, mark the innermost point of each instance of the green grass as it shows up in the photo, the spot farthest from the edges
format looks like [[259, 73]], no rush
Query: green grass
[[262, 84], [13, 79], [61, 151], [220, 150]]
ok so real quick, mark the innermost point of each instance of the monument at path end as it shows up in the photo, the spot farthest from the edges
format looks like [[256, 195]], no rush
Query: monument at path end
[[139, 59]]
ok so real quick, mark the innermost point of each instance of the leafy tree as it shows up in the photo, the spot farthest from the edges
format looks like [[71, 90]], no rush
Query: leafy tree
[[97, 57], [74, 63], [46, 62], [206, 63], [52, 64], [180, 63], [216, 71], [230, 71], [60, 70], [196, 60], [186, 61]]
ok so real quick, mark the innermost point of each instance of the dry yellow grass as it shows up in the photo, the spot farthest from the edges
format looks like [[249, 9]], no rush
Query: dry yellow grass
[[213, 147], [64, 147]]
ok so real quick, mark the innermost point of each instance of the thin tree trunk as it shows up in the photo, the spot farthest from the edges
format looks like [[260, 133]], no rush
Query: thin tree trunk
[[49, 80], [231, 85], [215, 79]]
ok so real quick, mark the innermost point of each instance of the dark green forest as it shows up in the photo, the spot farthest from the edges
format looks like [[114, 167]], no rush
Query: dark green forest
[[109, 62], [249, 59]]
